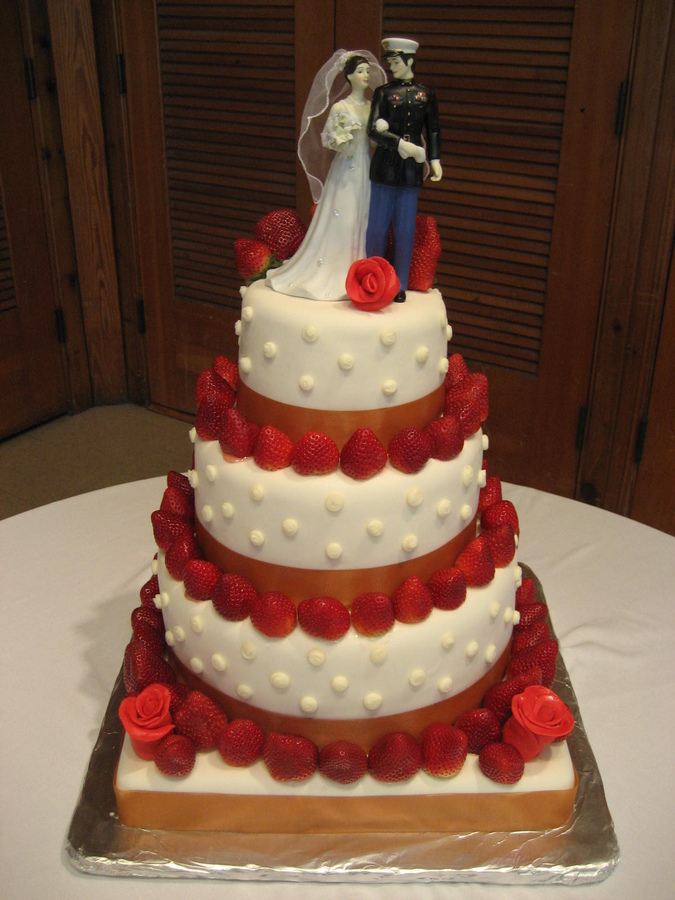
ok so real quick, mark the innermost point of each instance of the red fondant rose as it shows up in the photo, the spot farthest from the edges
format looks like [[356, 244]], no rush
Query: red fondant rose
[[146, 719], [539, 717], [372, 283]]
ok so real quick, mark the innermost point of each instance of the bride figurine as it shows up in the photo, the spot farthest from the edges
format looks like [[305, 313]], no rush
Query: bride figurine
[[337, 233]]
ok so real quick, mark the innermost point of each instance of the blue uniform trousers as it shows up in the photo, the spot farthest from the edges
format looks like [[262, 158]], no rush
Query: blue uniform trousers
[[396, 207]]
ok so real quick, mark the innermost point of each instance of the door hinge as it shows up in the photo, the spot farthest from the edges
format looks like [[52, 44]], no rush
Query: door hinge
[[621, 109], [581, 427], [640, 440], [121, 73], [29, 71], [60, 325], [140, 315]]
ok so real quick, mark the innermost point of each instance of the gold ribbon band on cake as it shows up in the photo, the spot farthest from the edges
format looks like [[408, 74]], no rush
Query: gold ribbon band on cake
[[343, 584], [339, 424]]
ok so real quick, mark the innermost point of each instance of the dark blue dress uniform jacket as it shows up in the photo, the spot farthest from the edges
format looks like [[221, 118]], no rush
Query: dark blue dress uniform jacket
[[411, 110]]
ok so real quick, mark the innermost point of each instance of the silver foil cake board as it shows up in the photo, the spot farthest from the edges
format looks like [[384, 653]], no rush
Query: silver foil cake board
[[582, 851]]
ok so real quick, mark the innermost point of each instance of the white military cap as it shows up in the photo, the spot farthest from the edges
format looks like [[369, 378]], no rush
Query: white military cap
[[398, 46]]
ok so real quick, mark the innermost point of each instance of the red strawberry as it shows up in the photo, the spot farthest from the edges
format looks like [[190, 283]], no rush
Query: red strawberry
[[200, 578], [409, 450], [237, 435], [241, 742], [372, 614], [444, 749], [176, 503], [233, 596], [499, 696], [502, 543], [530, 614], [363, 455], [211, 385], [457, 370], [468, 401], [315, 454], [179, 693], [477, 563], [527, 638], [272, 449], [226, 369], [148, 635], [142, 668], [526, 593], [501, 763], [343, 761], [481, 727], [446, 438], [179, 554], [175, 755], [491, 493], [426, 253], [210, 415], [251, 259], [150, 615], [167, 528], [395, 757], [324, 617], [499, 513], [274, 614], [282, 230], [448, 588], [289, 757], [149, 591], [544, 655], [199, 719], [412, 601], [180, 482]]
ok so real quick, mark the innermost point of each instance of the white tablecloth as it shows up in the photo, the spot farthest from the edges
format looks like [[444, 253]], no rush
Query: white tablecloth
[[71, 572]]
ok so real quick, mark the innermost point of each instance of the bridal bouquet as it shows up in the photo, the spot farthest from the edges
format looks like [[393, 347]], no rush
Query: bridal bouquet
[[338, 131]]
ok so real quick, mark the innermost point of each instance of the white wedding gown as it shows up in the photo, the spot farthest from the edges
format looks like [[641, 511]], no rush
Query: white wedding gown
[[337, 233]]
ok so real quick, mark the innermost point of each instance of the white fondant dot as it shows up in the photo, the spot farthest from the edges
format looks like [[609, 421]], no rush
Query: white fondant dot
[[516, 537], [227, 509], [244, 691], [508, 615], [443, 507], [196, 665], [245, 365], [378, 654], [157, 600], [334, 502], [280, 680], [417, 677], [237, 328], [518, 575], [193, 478], [193, 435], [486, 442], [375, 527], [169, 638], [179, 633], [389, 387], [482, 478], [197, 624], [467, 476], [422, 354], [339, 684], [447, 640], [409, 543], [316, 657], [494, 609], [443, 366], [306, 383], [289, 527], [334, 550], [154, 566], [219, 662], [372, 700], [207, 513], [249, 650], [247, 313], [387, 337], [491, 653], [310, 332], [269, 350], [257, 492], [471, 649], [516, 617], [211, 473], [346, 361], [309, 705], [465, 512], [164, 599], [445, 685], [242, 290], [256, 537], [414, 497], [448, 332]]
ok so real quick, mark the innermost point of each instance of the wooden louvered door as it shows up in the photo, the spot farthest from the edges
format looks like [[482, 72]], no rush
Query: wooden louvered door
[[32, 379], [528, 96]]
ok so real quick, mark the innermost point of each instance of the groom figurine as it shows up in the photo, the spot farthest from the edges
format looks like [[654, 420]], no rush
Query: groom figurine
[[401, 112]]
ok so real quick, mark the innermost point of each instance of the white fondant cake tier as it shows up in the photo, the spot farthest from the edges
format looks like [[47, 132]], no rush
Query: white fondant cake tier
[[331, 356], [409, 667], [332, 522]]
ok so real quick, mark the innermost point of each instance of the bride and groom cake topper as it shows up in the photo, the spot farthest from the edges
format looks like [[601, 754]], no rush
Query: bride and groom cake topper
[[360, 199]]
